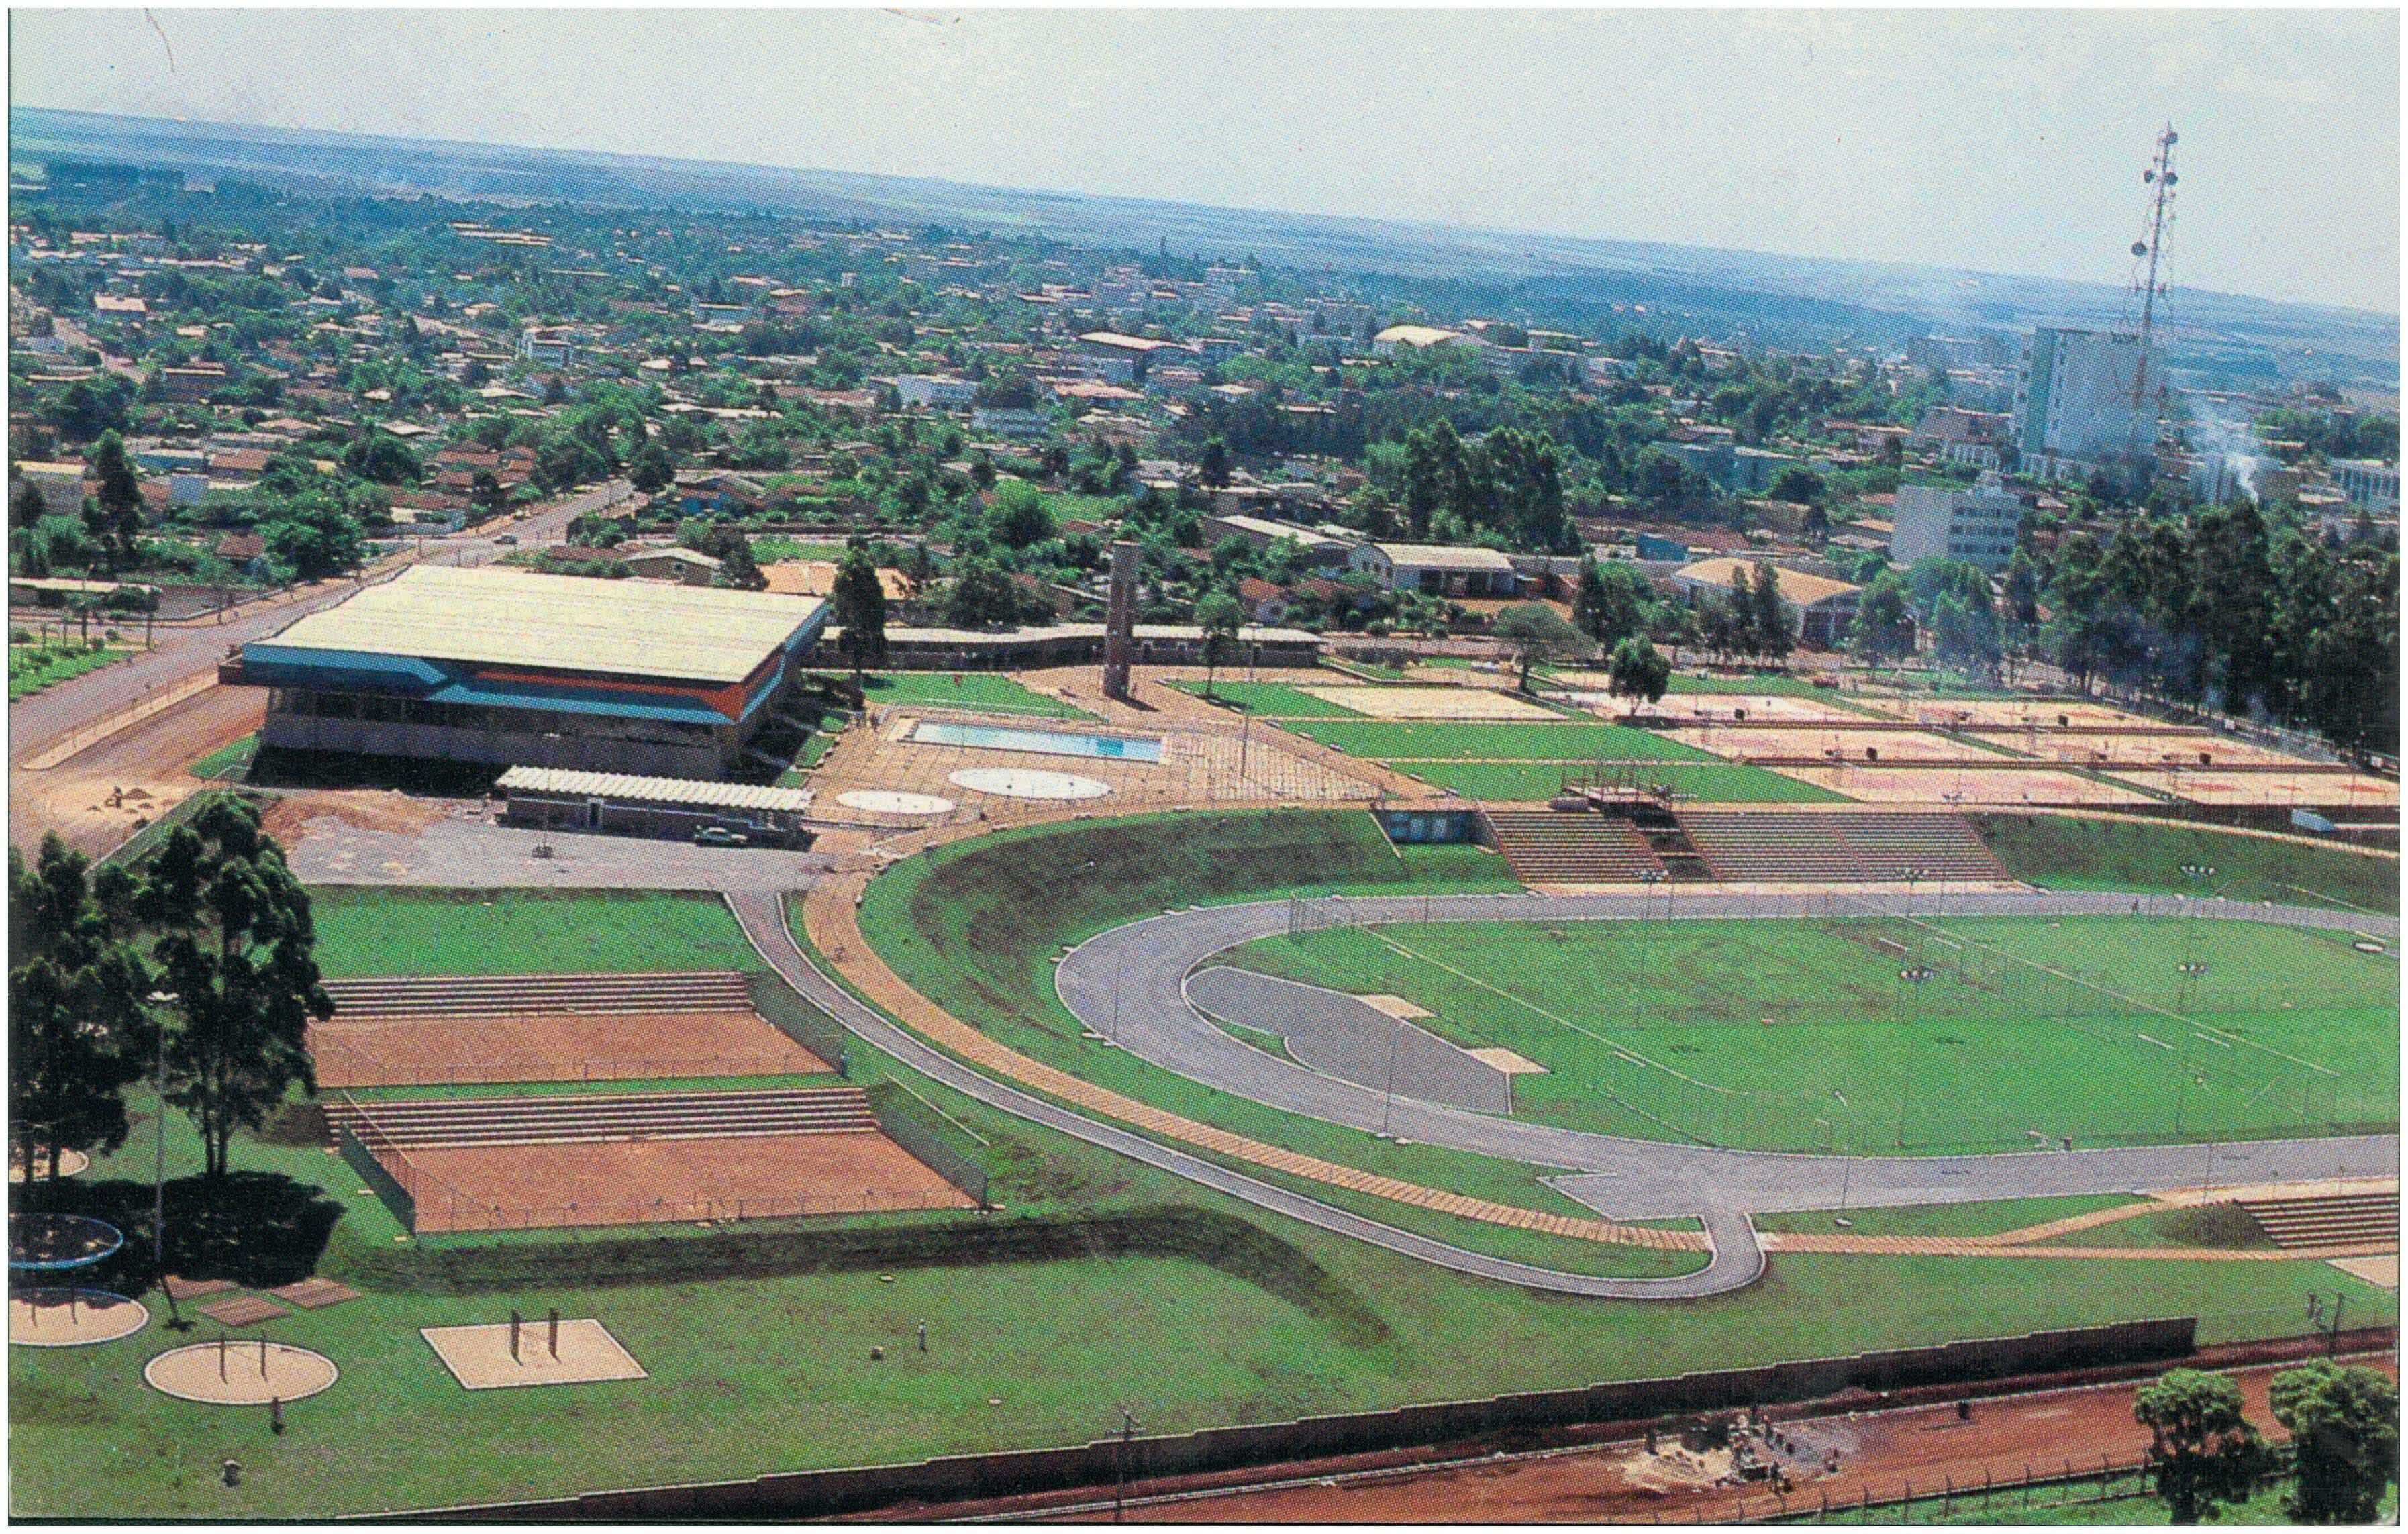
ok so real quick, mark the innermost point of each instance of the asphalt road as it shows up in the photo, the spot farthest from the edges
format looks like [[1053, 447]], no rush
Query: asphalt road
[[180, 651], [1129, 983], [1737, 1260]]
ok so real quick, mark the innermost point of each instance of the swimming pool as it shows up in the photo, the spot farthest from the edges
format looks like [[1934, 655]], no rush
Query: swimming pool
[[1051, 742]]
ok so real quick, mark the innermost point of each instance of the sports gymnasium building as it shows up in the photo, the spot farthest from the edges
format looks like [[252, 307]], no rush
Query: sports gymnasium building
[[508, 667]]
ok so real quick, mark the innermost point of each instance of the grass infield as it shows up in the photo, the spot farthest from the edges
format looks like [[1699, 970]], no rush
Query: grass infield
[[1526, 742], [1807, 1034]]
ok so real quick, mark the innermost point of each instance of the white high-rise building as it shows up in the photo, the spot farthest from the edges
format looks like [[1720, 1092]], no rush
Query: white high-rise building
[[1941, 522], [2075, 405]]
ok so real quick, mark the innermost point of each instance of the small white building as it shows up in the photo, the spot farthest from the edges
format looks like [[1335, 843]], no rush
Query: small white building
[[1437, 570], [2368, 483], [935, 391]]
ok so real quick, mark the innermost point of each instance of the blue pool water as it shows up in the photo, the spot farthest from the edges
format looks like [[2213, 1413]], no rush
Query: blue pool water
[[1052, 742]]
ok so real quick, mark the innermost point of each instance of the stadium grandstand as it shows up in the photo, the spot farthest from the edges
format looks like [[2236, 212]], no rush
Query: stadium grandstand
[[508, 668]]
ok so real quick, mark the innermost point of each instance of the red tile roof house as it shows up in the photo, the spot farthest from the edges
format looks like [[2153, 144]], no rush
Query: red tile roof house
[[1264, 602]]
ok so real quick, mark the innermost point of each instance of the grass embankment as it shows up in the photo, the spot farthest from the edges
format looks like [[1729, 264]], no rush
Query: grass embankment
[[224, 760], [980, 690], [35, 666], [2081, 1026], [976, 926], [365, 931], [2073, 852], [1992, 1218]]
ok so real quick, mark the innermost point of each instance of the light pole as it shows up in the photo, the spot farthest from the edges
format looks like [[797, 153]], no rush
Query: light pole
[[1649, 878], [2195, 874]]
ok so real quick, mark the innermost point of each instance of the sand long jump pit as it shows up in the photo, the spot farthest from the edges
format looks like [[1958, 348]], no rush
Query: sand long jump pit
[[464, 1029], [593, 1159]]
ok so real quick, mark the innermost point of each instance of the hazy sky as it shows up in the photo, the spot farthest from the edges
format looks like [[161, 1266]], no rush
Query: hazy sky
[[2008, 142]]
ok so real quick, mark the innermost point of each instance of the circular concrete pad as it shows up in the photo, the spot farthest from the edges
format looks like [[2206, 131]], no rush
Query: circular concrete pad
[[240, 1374], [70, 1163], [1027, 783], [888, 801], [72, 1318]]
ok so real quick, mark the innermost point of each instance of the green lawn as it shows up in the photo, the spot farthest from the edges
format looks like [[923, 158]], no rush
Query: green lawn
[[225, 758], [1990, 1217], [364, 931], [1530, 743], [981, 690], [2069, 852], [1271, 699], [776, 548], [33, 668], [1705, 782], [1782, 683], [1802, 1034]]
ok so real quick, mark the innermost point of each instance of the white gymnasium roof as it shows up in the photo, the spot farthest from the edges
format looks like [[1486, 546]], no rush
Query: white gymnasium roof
[[497, 617]]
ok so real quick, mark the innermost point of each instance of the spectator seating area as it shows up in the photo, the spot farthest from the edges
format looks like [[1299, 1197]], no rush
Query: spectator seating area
[[582, 1119], [2327, 1220], [504, 995], [1571, 847], [1839, 847]]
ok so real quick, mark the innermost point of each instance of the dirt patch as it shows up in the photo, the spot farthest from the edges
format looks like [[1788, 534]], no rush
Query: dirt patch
[[287, 819], [644, 1181], [552, 1047]]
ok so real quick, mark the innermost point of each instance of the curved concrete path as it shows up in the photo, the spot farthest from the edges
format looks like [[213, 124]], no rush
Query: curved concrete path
[[1129, 983], [1737, 1257]]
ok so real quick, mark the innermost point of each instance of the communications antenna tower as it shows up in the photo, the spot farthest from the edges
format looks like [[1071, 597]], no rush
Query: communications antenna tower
[[2161, 178]]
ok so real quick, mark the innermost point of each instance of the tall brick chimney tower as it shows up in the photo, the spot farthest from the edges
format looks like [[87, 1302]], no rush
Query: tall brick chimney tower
[[1120, 620]]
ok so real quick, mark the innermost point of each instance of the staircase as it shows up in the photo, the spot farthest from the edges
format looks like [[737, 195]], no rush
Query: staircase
[[2347, 1219], [504, 995], [582, 1119], [1571, 847], [1670, 843]]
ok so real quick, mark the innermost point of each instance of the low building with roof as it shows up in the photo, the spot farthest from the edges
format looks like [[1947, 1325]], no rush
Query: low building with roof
[[508, 667], [1438, 569], [1820, 611], [569, 800]]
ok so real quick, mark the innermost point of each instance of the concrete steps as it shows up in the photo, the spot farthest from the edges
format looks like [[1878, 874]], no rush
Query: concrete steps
[[582, 1118], [502, 995], [1571, 847], [1841, 847], [2333, 1220]]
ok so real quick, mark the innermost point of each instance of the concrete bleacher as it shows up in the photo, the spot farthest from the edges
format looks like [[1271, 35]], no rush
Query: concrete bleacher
[[1571, 847], [1825, 847], [2327, 1220], [504, 995], [584, 1119]]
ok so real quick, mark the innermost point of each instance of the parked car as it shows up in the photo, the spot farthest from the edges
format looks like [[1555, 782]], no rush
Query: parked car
[[720, 836], [510, 539]]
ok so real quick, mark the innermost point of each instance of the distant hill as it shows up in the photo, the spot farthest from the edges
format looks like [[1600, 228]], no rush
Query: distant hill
[[1780, 298]]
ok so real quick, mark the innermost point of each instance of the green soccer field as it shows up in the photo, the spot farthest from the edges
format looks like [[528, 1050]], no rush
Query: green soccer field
[[1813, 1034], [965, 690]]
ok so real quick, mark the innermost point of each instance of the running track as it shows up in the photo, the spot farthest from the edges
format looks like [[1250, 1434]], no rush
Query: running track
[[1719, 1187]]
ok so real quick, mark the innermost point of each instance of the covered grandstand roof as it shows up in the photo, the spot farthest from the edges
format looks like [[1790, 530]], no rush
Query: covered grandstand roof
[[559, 623], [681, 792]]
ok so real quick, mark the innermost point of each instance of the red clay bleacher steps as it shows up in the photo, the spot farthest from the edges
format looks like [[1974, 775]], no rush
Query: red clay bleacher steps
[[1839, 847], [580, 1118], [1571, 847], [2330, 1220], [502, 995]]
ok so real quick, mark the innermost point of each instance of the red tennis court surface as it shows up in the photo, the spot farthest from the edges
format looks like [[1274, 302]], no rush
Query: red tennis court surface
[[552, 1046], [642, 1182]]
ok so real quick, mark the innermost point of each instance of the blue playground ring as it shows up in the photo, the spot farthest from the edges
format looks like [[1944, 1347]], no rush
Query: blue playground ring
[[32, 1239]]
